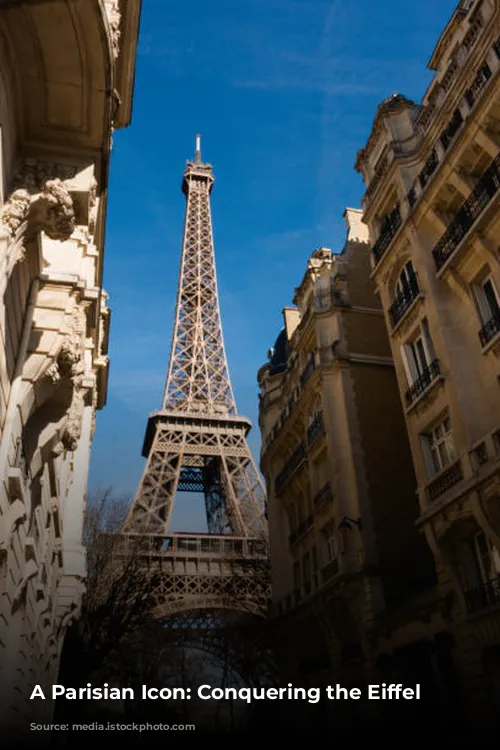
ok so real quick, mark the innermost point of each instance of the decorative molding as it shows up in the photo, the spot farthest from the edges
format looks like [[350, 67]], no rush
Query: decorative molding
[[114, 18]]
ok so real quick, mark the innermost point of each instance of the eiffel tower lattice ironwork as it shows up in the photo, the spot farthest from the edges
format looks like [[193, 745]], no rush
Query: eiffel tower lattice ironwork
[[197, 442]]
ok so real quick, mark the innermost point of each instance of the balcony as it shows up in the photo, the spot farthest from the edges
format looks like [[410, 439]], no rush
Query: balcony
[[403, 301], [430, 167], [294, 462], [471, 209], [479, 82], [451, 129], [322, 496], [308, 370], [490, 329], [389, 229], [482, 597], [330, 570], [421, 384], [315, 429], [428, 113], [444, 481], [302, 529]]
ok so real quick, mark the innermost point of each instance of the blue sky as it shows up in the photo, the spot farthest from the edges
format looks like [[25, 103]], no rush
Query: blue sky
[[283, 93]]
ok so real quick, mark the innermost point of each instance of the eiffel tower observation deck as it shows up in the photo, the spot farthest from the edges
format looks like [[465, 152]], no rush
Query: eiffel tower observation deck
[[197, 442]]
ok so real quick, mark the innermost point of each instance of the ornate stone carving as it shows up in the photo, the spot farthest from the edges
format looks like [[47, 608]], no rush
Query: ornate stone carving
[[56, 214], [74, 420], [40, 201], [114, 17], [34, 174], [15, 211], [93, 205]]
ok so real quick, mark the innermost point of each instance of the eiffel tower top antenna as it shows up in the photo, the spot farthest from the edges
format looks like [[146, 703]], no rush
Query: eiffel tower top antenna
[[198, 376]]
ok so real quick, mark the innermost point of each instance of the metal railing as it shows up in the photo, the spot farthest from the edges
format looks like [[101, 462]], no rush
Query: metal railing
[[446, 479], [187, 545], [403, 301], [451, 129], [479, 82], [486, 187], [389, 229], [422, 382], [316, 428], [484, 596], [490, 329], [291, 466], [308, 370], [302, 529], [430, 167], [324, 494]]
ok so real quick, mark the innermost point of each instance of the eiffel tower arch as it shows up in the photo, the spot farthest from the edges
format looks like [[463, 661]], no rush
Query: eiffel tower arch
[[197, 442]]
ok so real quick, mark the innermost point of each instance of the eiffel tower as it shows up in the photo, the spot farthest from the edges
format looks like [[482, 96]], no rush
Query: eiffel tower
[[197, 442]]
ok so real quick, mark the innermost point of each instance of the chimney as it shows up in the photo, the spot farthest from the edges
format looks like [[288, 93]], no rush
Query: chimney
[[357, 231], [292, 320]]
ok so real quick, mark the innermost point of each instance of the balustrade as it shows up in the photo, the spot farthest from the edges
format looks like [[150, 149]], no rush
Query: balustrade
[[403, 300], [446, 479], [486, 187], [422, 382], [490, 329], [389, 229], [291, 466]]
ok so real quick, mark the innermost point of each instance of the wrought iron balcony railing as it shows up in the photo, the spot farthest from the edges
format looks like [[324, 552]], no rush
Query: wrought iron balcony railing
[[391, 226], [308, 370], [430, 167], [484, 596], [422, 382], [302, 529], [475, 204], [324, 494], [446, 479], [316, 428], [451, 129], [403, 301], [490, 329], [291, 466]]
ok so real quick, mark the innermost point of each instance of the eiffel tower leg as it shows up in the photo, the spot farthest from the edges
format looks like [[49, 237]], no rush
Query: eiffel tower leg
[[153, 504], [246, 485]]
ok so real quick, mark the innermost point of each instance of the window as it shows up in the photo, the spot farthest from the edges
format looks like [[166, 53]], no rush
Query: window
[[314, 559], [480, 561], [487, 298], [296, 575], [439, 451], [418, 353], [496, 441], [306, 567], [486, 558], [407, 281], [329, 543]]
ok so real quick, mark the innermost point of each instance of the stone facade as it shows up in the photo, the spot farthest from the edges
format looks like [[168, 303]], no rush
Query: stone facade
[[432, 175], [354, 588], [66, 81]]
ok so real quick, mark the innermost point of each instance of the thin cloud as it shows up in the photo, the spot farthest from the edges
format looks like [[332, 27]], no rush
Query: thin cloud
[[306, 84]]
